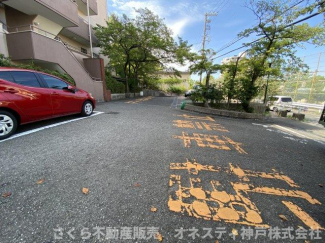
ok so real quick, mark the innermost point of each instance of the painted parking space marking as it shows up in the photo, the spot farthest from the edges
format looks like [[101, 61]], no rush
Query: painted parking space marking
[[139, 100], [199, 125], [210, 141], [299, 137], [190, 196], [96, 113], [290, 130], [175, 103]]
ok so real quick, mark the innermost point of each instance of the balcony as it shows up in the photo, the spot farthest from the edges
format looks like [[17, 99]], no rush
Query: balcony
[[80, 33], [82, 6], [62, 12], [47, 50]]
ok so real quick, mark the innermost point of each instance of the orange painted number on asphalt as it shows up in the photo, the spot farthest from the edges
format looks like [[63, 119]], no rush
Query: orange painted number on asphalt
[[210, 141], [199, 125], [216, 202]]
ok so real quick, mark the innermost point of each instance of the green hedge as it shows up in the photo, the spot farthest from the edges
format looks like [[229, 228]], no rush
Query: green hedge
[[113, 85], [205, 94], [6, 62], [176, 90]]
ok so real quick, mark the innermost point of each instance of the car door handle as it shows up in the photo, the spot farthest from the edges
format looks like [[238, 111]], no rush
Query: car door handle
[[12, 91], [54, 93]]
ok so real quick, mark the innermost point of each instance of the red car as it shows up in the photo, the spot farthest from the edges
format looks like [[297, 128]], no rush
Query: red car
[[28, 96]]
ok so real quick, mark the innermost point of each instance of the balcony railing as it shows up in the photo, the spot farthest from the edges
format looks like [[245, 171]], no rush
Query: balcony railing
[[32, 28], [35, 29]]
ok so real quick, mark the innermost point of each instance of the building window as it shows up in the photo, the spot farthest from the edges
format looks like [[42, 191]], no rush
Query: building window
[[96, 55], [84, 50]]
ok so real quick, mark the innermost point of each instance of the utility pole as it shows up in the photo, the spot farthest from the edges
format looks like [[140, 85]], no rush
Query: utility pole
[[206, 28], [298, 80], [314, 77]]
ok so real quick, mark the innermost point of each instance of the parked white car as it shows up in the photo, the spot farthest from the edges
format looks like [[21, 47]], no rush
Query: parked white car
[[276, 103], [191, 91]]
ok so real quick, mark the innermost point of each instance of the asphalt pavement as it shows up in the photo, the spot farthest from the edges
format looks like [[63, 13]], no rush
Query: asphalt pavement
[[146, 171]]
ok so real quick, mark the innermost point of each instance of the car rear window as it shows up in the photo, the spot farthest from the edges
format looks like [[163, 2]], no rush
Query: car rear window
[[286, 99], [6, 76], [26, 79]]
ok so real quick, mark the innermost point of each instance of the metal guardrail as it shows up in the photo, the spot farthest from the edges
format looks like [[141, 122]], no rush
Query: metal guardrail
[[307, 105], [34, 29]]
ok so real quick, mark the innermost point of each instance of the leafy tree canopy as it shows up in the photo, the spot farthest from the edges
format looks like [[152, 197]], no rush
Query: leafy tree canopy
[[140, 47]]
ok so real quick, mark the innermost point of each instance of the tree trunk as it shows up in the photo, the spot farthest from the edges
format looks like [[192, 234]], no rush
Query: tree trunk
[[207, 82], [127, 89]]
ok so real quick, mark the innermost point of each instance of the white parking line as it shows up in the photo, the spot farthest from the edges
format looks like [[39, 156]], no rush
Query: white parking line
[[50, 126], [292, 131], [289, 132], [175, 103]]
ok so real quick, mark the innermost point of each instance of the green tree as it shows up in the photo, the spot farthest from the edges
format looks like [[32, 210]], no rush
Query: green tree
[[140, 47], [278, 39], [204, 64]]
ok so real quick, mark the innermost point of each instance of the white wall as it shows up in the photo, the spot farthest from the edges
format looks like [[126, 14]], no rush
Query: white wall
[[100, 18], [47, 25], [2, 14], [3, 41]]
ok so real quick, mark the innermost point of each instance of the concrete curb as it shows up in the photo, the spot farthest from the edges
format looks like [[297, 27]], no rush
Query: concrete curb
[[234, 114]]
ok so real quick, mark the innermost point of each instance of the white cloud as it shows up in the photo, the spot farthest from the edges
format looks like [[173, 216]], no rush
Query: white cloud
[[179, 67], [177, 16], [129, 7], [178, 26]]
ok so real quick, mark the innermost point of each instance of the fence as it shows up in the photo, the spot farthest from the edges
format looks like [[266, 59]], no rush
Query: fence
[[307, 87]]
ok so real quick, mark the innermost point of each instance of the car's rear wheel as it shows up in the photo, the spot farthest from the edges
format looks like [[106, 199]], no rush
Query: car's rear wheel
[[8, 124], [275, 109], [87, 108]]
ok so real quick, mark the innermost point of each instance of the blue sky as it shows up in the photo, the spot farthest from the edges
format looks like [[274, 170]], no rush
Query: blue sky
[[186, 19]]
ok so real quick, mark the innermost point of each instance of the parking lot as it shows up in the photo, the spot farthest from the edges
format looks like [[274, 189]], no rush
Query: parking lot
[[146, 171]]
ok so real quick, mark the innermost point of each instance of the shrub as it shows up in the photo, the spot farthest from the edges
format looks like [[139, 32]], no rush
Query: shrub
[[213, 94], [6, 62], [204, 94], [153, 84], [113, 85], [134, 86], [197, 96], [245, 94], [176, 90], [170, 81]]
